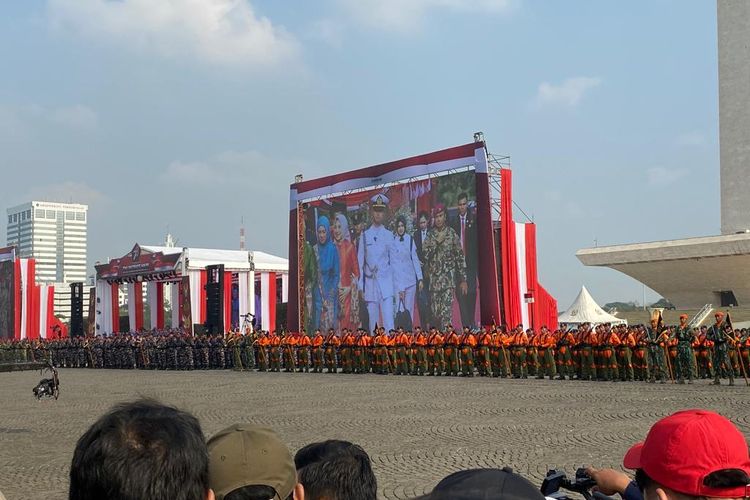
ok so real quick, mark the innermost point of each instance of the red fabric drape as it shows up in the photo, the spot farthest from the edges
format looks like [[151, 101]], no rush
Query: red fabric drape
[[532, 283], [33, 331], [17, 299], [29, 297], [159, 305], [489, 299], [202, 312], [227, 301], [547, 308], [115, 305], [509, 265], [271, 301], [138, 306]]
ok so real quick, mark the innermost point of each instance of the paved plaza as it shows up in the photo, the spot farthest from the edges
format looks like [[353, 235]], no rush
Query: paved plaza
[[416, 429]]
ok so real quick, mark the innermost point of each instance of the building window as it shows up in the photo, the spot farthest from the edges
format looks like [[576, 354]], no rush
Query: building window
[[15, 217], [39, 213], [81, 216], [69, 215], [50, 214], [10, 219]]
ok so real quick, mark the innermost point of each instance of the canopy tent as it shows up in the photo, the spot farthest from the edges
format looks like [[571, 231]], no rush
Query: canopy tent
[[584, 309]]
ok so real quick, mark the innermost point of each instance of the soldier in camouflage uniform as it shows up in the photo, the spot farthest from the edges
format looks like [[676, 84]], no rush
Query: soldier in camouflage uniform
[[717, 335], [445, 264], [684, 360]]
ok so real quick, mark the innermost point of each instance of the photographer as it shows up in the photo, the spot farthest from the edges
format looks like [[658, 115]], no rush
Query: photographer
[[690, 454]]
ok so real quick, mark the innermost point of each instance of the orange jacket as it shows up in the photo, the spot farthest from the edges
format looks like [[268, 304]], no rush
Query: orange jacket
[[420, 339]]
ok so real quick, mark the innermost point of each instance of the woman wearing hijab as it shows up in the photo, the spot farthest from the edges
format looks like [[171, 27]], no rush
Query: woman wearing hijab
[[349, 269], [407, 272], [325, 294]]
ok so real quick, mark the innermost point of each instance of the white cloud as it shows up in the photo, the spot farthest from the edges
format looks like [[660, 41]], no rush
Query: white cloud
[[226, 32], [569, 93], [231, 169], [694, 138], [407, 15], [329, 31], [78, 116], [660, 176], [68, 191]]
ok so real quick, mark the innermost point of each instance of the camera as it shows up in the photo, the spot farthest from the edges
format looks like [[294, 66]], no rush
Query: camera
[[582, 483]]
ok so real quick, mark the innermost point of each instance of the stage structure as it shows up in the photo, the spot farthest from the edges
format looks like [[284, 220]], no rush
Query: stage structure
[[416, 235], [253, 283], [27, 310]]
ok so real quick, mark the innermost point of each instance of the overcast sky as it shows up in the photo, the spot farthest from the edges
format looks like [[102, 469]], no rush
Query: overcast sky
[[186, 115]]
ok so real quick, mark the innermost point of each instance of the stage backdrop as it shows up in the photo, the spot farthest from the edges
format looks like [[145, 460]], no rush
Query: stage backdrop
[[395, 242]]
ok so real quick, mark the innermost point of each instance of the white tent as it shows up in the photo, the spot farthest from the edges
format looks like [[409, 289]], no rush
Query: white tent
[[584, 309]]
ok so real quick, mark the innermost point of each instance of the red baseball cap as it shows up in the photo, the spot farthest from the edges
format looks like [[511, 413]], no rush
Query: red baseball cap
[[682, 449]]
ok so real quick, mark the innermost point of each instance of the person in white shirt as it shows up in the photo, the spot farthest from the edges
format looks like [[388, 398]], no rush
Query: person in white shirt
[[374, 258], [407, 271]]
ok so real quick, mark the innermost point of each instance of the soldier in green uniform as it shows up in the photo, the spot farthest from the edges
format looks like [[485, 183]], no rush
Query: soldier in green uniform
[[718, 335], [656, 365], [684, 360], [446, 266]]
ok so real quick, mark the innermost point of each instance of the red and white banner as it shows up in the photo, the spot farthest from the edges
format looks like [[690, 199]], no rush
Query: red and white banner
[[525, 301]]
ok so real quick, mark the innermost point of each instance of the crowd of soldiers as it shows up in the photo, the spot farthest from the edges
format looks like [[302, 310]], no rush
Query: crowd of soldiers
[[602, 352]]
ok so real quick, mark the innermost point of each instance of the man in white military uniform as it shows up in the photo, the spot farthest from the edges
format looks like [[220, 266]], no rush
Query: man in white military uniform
[[376, 275]]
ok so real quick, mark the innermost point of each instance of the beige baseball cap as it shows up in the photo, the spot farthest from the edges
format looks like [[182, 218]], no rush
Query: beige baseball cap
[[250, 455]]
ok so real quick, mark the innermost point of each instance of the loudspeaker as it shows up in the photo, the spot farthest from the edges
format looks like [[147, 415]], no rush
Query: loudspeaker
[[215, 299], [76, 310]]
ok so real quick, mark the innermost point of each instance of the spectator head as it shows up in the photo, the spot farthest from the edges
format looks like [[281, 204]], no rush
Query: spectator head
[[335, 470], [692, 453], [144, 450], [484, 484], [248, 462]]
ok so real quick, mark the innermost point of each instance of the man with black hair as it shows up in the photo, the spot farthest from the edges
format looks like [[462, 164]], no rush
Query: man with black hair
[[335, 470], [465, 226], [143, 450]]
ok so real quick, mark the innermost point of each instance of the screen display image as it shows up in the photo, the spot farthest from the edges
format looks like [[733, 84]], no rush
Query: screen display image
[[401, 255]]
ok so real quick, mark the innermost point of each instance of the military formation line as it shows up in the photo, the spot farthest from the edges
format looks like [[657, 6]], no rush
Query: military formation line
[[603, 352]]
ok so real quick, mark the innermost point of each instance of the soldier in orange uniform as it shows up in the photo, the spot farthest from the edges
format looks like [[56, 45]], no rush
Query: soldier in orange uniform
[[609, 343], [420, 352], [564, 344], [451, 343], [519, 341], [263, 343], [289, 348], [435, 352], [546, 351], [274, 348], [625, 353], [330, 346], [303, 351], [468, 343], [484, 346], [347, 351], [317, 351], [703, 348], [381, 352]]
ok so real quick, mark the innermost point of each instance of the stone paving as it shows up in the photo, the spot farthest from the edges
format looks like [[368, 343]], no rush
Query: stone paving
[[416, 429]]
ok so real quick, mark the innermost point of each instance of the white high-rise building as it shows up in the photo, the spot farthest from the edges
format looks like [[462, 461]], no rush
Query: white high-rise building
[[54, 234]]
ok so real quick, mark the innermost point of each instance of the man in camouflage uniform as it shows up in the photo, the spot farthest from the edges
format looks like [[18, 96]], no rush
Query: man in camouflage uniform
[[684, 361], [656, 363], [446, 266], [719, 337]]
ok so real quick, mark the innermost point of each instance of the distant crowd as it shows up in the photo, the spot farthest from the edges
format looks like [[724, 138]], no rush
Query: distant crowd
[[603, 352]]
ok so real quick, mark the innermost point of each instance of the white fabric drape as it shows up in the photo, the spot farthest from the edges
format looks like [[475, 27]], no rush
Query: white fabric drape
[[131, 306], [103, 317], [522, 285], [265, 301], [153, 303], [174, 298]]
